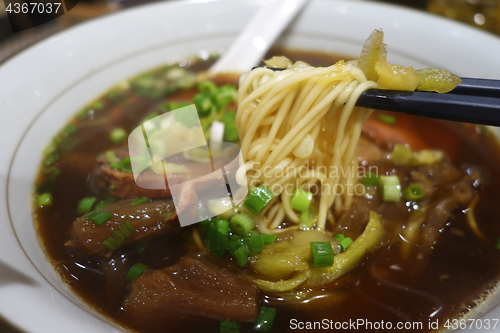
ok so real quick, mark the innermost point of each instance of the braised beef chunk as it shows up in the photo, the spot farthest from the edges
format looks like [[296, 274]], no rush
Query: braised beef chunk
[[192, 287], [149, 219], [122, 184]]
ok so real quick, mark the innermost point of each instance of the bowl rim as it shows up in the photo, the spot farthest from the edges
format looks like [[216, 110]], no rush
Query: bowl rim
[[14, 61]]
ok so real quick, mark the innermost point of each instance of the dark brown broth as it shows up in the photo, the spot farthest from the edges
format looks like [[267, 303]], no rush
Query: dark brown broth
[[382, 287]]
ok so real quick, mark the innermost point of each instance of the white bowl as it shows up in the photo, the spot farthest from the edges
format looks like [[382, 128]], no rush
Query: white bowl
[[47, 84]]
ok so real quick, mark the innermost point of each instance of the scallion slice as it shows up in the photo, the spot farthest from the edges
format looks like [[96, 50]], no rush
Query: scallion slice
[[498, 243], [241, 255], [139, 201], [370, 179], [339, 237], [269, 238], [126, 166], [44, 199], [242, 224], [234, 245], [85, 205], [322, 253], [301, 200], [222, 226], [255, 245], [54, 171], [117, 135], [208, 87], [258, 199], [227, 326], [344, 243], [51, 159], [390, 188], [231, 133], [215, 241], [119, 236], [99, 216], [203, 104], [70, 129], [413, 192], [265, 320], [134, 272], [385, 118]]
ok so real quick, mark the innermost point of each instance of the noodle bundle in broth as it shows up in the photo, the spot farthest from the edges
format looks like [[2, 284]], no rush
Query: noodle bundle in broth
[[299, 126], [351, 212]]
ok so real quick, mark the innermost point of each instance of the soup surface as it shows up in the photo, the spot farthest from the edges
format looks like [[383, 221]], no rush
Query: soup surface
[[420, 285]]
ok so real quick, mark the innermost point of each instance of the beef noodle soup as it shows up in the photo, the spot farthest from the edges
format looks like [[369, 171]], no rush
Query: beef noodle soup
[[413, 245]]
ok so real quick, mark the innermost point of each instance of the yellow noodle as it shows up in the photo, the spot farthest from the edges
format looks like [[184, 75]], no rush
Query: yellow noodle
[[277, 110]]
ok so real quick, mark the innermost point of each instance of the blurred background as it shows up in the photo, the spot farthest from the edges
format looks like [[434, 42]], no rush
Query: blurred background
[[483, 14]]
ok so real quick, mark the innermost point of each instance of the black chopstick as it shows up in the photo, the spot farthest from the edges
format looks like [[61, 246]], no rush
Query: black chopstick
[[478, 87], [449, 106], [474, 101]]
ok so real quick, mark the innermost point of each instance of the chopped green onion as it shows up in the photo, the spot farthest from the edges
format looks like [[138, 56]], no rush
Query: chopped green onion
[[118, 135], [112, 187], [322, 253], [215, 241], [234, 245], [99, 216], [119, 236], [70, 129], [51, 148], [253, 233], [344, 243], [258, 199], [167, 215], [390, 188], [255, 245], [413, 192], [339, 237], [203, 104], [97, 105], [498, 243], [241, 256], [44, 199], [306, 220], [126, 165], [231, 133], [222, 226], [139, 201], [242, 224], [208, 87], [269, 238], [51, 158], [265, 320], [227, 93], [54, 171], [301, 200], [134, 272], [370, 179], [227, 326], [85, 205], [385, 118]]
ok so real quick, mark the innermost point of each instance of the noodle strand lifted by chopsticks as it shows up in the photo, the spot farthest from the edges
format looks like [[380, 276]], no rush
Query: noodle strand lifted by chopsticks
[[299, 128]]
